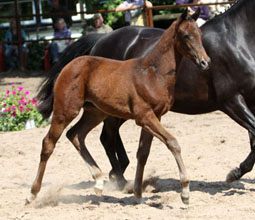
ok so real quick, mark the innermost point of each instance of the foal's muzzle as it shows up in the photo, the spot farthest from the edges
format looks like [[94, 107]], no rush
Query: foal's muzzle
[[203, 63]]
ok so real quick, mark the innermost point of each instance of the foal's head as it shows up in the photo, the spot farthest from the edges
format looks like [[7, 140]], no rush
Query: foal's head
[[188, 39]]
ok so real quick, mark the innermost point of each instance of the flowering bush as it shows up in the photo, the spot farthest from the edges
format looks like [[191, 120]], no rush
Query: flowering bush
[[16, 108]]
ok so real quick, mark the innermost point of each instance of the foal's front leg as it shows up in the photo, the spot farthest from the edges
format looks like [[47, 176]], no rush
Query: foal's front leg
[[151, 124], [58, 124]]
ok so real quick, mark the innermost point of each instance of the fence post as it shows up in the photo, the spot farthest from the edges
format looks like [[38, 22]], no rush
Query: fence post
[[148, 15], [19, 34]]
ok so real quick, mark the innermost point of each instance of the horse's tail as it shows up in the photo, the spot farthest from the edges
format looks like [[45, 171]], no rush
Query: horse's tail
[[45, 94]]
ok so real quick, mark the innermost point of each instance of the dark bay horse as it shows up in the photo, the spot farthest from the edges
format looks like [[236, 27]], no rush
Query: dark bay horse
[[141, 89], [229, 85]]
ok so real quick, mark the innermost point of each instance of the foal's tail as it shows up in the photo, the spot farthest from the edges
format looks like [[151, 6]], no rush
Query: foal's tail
[[45, 94]]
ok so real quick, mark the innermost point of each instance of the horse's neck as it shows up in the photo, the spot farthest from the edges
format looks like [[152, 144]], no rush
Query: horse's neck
[[163, 56], [241, 15]]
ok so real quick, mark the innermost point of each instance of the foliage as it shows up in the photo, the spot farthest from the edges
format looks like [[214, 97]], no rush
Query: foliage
[[16, 108], [115, 19], [2, 34], [36, 55], [165, 11], [89, 4]]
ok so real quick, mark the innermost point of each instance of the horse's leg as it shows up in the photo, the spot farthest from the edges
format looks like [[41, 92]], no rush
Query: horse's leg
[[113, 145], [237, 109], [152, 125], [59, 122], [91, 118], [120, 150]]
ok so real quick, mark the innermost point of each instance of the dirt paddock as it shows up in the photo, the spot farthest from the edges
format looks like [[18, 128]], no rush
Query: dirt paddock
[[212, 144]]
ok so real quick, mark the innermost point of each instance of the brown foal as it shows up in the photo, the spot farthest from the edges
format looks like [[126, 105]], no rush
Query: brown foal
[[141, 89]]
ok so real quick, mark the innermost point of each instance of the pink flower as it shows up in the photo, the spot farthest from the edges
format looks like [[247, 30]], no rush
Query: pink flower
[[13, 92], [21, 109], [19, 101], [14, 106], [34, 101], [27, 109], [27, 92], [13, 115], [6, 110], [7, 93], [4, 104], [20, 88], [9, 109]]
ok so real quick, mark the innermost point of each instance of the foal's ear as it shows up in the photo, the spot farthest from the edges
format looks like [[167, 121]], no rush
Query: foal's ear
[[184, 15], [195, 16]]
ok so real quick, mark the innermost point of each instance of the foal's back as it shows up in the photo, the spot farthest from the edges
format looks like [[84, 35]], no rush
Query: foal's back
[[129, 84]]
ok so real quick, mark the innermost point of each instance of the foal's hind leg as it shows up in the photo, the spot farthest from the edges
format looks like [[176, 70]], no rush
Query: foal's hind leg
[[91, 118], [151, 124]]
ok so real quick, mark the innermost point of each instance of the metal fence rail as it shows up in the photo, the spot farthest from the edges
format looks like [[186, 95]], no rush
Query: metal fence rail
[[148, 16]]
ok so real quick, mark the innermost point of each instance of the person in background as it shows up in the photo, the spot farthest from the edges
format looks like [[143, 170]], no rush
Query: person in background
[[133, 17], [217, 9], [98, 26], [58, 46], [59, 11], [204, 10], [11, 49]]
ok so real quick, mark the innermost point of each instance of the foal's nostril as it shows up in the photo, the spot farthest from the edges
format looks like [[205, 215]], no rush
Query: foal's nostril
[[204, 64]]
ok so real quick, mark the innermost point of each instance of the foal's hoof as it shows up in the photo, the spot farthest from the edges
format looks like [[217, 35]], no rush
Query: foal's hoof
[[233, 175], [122, 184], [129, 187], [185, 200], [98, 191], [30, 199], [99, 187], [140, 201]]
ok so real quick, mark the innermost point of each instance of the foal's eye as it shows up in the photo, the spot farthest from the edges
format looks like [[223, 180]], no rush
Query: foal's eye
[[185, 37]]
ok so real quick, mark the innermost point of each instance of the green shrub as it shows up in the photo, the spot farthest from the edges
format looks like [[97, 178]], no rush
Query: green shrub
[[35, 59]]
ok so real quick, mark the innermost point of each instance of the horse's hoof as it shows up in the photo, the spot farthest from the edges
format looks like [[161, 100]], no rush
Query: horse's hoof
[[112, 176], [233, 175], [185, 200], [121, 181]]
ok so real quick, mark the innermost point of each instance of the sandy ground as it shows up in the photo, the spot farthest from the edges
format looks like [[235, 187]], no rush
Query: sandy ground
[[212, 144]]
